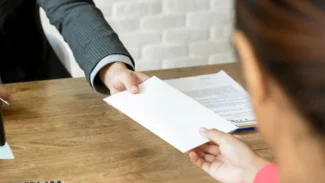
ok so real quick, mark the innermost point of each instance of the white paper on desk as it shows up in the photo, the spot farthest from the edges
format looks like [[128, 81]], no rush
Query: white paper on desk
[[169, 114], [220, 93], [5, 152]]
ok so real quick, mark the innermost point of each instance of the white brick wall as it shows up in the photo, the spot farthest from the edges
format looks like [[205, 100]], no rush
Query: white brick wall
[[136, 8], [167, 33], [161, 52], [185, 35], [185, 6]]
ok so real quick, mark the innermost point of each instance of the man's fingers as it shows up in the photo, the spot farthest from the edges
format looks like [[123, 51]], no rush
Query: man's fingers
[[141, 77], [132, 79], [5, 94], [126, 80], [129, 79]]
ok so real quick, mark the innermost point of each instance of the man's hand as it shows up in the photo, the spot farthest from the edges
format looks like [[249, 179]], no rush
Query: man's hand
[[5, 94], [117, 77], [226, 158]]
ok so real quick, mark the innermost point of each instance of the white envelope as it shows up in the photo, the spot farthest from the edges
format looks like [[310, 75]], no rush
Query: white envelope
[[169, 114]]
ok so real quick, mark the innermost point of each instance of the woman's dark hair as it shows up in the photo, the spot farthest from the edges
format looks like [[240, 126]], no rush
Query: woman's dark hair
[[288, 40]]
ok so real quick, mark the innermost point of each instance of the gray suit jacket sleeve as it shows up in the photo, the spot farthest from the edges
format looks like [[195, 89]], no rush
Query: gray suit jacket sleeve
[[84, 28]]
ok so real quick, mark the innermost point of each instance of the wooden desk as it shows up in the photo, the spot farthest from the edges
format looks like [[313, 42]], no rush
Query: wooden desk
[[62, 130]]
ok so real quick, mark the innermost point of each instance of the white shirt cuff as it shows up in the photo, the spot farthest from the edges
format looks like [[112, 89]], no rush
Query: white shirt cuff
[[99, 86]]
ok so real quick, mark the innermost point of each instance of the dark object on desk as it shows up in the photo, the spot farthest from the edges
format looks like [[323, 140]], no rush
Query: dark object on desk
[[2, 129], [26, 54], [52, 181], [245, 129]]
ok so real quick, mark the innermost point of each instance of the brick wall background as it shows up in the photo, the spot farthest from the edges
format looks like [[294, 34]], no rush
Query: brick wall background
[[163, 34]]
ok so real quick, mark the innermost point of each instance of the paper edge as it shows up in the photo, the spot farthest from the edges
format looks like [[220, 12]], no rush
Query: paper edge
[[11, 153]]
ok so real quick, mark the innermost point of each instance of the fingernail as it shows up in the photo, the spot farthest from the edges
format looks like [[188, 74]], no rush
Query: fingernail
[[203, 131], [134, 89]]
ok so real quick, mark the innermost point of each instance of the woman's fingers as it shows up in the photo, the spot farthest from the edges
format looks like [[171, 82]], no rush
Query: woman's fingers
[[198, 161], [207, 157], [214, 135], [210, 167], [210, 149]]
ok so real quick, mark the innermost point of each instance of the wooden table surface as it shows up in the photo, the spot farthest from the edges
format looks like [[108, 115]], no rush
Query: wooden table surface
[[62, 130]]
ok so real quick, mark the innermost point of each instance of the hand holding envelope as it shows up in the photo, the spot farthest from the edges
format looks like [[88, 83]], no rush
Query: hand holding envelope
[[226, 158], [169, 114]]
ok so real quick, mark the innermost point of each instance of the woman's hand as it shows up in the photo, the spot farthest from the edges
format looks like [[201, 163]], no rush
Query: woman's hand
[[226, 158]]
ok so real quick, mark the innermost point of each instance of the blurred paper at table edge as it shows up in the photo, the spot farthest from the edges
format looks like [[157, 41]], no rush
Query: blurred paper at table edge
[[169, 114], [5, 152]]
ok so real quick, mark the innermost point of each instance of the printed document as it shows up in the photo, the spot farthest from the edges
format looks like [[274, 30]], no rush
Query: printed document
[[221, 94]]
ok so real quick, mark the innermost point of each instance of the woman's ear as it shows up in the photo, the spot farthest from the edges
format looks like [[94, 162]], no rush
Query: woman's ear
[[253, 74]]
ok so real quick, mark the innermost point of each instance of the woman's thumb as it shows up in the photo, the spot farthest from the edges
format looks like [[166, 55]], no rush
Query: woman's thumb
[[213, 135]]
